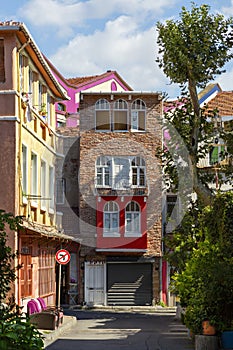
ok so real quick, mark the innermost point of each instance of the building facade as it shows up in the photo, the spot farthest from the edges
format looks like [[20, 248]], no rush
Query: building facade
[[28, 92], [120, 198]]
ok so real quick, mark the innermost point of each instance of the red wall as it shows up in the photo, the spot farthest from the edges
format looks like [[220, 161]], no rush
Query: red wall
[[122, 241]]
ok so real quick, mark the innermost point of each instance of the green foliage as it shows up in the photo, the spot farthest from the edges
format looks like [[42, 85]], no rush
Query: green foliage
[[204, 282], [196, 47], [16, 332], [7, 257]]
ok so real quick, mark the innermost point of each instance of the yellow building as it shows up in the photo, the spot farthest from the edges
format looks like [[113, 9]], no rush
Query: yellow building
[[29, 149]]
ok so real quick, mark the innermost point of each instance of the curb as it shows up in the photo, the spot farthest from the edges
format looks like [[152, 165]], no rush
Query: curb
[[51, 336], [141, 309]]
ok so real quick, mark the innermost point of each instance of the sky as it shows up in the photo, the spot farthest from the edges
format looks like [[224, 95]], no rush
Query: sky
[[89, 37]]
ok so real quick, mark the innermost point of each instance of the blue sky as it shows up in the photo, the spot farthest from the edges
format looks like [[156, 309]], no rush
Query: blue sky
[[88, 37]]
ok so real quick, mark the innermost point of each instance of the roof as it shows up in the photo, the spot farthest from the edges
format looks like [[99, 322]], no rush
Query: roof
[[48, 231], [83, 81], [209, 90], [223, 102], [30, 46]]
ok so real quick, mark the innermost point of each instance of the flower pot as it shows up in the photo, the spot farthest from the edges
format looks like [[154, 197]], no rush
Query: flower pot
[[227, 339], [207, 328]]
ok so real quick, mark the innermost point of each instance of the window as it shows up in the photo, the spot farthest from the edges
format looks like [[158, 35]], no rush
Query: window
[[61, 107], [102, 115], [138, 172], [217, 154], [48, 109], [172, 213], [103, 171], [132, 219], [111, 219], [2, 61], [51, 189], [138, 115], [46, 271], [23, 62], [24, 173], [60, 193], [39, 96], [34, 177], [120, 116], [120, 172], [43, 185]]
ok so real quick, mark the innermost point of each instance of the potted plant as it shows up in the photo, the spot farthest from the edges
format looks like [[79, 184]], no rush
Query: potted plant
[[227, 331]]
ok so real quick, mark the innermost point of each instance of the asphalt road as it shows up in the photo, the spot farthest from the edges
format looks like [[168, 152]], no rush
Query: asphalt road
[[109, 330]]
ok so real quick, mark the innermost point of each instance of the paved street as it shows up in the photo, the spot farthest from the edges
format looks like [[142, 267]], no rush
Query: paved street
[[109, 330]]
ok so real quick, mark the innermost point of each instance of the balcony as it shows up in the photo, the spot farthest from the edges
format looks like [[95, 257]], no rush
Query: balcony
[[120, 188]]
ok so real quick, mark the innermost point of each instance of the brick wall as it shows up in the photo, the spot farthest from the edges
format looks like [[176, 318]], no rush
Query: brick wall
[[144, 144]]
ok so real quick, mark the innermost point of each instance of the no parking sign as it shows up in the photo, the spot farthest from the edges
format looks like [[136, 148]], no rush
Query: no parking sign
[[62, 256]]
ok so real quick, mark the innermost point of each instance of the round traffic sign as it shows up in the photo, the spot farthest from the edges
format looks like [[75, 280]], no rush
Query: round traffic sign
[[62, 256]]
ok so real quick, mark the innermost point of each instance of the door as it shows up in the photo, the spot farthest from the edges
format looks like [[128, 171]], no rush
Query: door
[[26, 276], [94, 283]]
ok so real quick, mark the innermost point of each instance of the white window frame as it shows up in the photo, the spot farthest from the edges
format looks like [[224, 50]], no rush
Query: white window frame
[[51, 190], [60, 191], [103, 172], [138, 167], [133, 217], [120, 106], [34, 179], [43, 185], [105, 168], [104, 106], [138, 107], [24, 170], [48, 106], [111, 212]]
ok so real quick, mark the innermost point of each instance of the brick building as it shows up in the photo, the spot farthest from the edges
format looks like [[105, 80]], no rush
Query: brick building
[[120, 198]]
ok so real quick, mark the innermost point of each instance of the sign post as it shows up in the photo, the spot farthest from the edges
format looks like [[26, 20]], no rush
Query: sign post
[[63, 258]]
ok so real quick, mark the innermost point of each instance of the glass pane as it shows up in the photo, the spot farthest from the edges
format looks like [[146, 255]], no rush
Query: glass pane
[[142, 177], [106, 221], [102, 120]]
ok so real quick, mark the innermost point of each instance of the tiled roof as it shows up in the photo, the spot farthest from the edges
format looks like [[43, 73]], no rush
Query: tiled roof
[[82, 81], [223, 101]]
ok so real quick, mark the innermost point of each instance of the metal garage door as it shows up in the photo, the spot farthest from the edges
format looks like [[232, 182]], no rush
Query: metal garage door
[[129, 284]]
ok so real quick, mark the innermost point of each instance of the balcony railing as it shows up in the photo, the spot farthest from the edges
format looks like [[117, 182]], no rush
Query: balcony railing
[[121, 188]]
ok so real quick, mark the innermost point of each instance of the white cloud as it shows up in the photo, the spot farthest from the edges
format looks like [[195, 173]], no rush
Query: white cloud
[[66, 13], [121, 47]]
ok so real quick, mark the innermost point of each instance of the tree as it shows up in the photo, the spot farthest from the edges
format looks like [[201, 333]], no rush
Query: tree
[[193, 50], [205, 282]]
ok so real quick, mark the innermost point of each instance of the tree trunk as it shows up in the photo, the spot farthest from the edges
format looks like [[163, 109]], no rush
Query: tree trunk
[[206, 342]]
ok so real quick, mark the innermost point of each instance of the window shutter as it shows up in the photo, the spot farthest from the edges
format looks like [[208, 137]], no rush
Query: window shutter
[[2, 62]]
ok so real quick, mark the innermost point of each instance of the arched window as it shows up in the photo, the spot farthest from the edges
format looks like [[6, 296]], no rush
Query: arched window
[[111, 218], [103, 168], [132, 219], [102, 115], [138, 116], [138, 170], [120, 115]]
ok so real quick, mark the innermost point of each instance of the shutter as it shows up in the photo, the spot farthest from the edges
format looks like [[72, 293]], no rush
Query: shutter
[[2, 62], [129, 283]]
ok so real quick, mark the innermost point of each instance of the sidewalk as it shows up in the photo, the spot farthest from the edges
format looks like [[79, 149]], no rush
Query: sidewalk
[[51, 336]]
